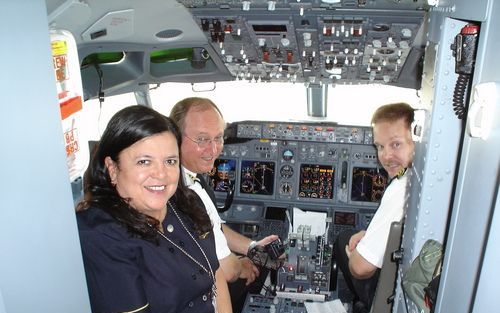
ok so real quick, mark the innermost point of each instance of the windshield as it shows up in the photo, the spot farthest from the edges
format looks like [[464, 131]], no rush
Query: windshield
[[238, 101]]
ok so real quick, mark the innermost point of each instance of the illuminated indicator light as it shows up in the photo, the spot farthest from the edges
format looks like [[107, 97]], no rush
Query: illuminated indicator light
[[266, 56], [271, 6]]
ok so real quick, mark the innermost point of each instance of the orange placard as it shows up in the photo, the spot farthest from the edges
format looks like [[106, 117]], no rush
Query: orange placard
[[70, 106]]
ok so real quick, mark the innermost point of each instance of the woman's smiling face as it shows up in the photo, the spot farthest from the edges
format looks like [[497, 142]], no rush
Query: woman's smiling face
[[147, 173]]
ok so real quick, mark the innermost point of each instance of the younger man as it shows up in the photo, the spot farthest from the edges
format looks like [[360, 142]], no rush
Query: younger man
[[360, 255]]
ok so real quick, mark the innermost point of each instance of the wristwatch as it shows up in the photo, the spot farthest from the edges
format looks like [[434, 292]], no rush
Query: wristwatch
[[252, 245]]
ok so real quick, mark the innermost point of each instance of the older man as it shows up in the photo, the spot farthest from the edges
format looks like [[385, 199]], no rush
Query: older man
[[202, 126]]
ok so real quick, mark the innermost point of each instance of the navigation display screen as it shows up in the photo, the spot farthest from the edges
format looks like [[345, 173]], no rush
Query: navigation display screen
[[257, 177], [368, 184]]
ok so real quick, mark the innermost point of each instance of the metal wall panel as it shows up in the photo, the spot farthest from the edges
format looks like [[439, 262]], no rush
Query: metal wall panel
[[435, 157], [477, 187], [41, 267]]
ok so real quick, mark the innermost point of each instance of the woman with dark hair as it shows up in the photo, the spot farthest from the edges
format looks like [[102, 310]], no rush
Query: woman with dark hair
[[146, 239]]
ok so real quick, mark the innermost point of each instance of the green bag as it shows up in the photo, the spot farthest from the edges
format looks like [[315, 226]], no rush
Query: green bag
[[423, 269]]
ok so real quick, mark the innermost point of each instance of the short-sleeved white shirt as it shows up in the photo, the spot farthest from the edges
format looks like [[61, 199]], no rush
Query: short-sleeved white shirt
[[220, 239], [372, 245]]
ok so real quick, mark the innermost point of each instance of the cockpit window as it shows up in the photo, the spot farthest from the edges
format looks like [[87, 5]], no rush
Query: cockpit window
[[103, 58]]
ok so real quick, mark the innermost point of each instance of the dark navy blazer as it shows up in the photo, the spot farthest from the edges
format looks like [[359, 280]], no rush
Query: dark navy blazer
[[125, 273]]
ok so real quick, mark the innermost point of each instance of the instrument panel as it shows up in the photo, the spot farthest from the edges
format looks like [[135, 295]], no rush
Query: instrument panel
[[301, 163], [315, 41], [280, 168]]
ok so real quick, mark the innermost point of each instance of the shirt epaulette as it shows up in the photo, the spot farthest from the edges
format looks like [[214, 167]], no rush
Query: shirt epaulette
[[400, 173]]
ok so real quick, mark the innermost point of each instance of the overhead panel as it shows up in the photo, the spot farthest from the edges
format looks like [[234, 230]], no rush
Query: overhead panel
[[316, 42]]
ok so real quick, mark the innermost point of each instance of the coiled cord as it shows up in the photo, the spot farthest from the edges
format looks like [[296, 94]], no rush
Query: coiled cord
[[459, 95]]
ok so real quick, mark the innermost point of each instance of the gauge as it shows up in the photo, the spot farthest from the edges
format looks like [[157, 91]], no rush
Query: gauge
[[286, 171], [287, 155], [247, 186], [286, 189]]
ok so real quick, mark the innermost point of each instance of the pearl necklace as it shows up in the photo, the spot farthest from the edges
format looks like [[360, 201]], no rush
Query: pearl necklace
[[211, 272]]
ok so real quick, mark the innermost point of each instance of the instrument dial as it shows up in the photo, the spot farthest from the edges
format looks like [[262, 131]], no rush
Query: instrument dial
[[286, 171], [287, 155]]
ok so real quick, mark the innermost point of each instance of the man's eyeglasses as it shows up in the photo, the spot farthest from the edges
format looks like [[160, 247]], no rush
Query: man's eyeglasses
[[203, 142]]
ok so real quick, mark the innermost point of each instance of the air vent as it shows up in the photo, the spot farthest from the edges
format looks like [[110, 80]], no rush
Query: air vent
[[350, 3], [169, 33]]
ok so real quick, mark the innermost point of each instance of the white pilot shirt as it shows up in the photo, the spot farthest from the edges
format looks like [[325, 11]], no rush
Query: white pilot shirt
[[221, 246], [372, 245]]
